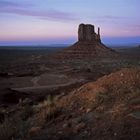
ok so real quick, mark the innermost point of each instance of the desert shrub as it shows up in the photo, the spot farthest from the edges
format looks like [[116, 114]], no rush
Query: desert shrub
[[13, 128], [26, 109], [47, 110], [23, 128], [7, 129], [26, 112], [16, 125]]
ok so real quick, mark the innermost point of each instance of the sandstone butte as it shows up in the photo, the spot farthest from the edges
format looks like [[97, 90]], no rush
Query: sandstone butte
[[89, 45]]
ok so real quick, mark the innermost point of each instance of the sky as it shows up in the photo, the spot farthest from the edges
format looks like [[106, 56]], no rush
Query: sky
[[45, 22]]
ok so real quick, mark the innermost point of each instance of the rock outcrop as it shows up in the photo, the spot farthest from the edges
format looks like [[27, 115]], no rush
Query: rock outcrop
[[87, 33], [89, 45]]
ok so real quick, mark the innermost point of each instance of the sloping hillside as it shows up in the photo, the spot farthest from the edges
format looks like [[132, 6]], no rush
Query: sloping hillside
[[106, 109]]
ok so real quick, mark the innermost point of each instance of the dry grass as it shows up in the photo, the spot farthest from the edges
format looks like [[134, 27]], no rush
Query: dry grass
[[27, 117], [13, 128], [16, 124], [7, 129], [47, 110]]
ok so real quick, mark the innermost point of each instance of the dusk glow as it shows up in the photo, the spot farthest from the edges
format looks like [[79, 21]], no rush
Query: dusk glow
[[43, 22]]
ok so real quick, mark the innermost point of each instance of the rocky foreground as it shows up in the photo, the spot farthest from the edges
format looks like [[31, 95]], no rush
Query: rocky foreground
[[108, 108]]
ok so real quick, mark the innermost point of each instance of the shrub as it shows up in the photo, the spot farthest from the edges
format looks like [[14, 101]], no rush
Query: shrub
[[14, 128], [7, 129], [48, 110], [26, 112]]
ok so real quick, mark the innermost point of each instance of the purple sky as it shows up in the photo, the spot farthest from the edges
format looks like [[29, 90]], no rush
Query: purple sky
[[43, 22]]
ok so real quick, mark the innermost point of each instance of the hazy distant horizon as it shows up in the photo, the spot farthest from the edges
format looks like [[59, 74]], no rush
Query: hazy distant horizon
[[107, 41]]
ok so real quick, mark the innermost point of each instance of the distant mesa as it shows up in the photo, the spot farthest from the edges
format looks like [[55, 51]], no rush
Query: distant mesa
[[89, 45]]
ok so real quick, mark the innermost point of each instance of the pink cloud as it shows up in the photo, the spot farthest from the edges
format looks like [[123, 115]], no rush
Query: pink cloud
[[15, 8]]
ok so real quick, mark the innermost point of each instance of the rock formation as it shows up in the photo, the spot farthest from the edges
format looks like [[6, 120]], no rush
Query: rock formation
[[89, 45], [87, 33]]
